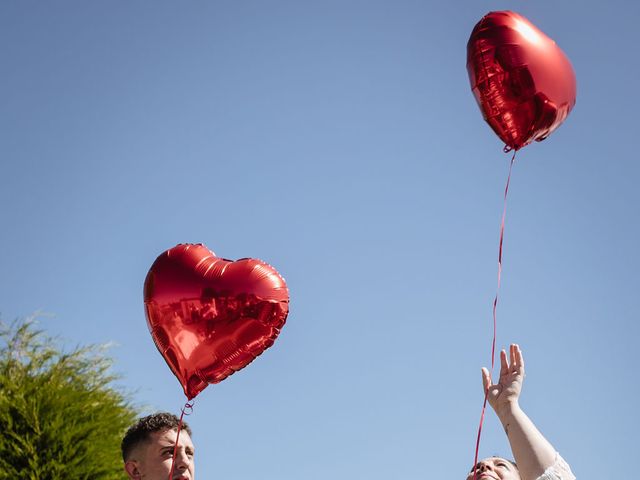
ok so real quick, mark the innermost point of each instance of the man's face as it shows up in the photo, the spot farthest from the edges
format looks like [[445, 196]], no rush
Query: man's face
[[495, 468], [151, 460]]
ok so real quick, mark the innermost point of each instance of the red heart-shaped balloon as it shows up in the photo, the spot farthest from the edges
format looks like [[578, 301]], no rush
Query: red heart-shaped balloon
[[210, 317], [524, 84]]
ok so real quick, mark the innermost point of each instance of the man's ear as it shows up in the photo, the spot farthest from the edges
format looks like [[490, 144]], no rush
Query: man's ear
[[131, 467]]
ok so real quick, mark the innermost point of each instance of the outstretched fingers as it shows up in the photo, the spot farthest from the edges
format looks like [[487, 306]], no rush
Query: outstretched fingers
[[517, 361], [504, 366]]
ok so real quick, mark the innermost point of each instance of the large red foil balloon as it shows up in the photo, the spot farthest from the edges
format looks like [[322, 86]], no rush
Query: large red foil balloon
[[524, 84], [210, 317]]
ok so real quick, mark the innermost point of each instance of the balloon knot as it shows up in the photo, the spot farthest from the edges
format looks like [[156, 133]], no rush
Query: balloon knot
[[188, 407]]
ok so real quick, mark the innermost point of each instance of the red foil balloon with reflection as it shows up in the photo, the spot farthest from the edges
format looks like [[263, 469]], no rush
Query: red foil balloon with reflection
[[210, 317], [524, 84]]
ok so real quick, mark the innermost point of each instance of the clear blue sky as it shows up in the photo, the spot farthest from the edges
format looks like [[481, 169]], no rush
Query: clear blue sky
[[338, 141]]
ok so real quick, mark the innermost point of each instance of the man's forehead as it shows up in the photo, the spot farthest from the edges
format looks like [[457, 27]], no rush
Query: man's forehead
[[168, 437]]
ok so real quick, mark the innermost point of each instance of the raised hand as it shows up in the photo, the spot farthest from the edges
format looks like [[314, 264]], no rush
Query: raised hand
[[504, 394], [532, 452]]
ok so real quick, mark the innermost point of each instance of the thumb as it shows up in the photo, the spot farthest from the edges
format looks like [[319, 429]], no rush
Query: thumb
[[486, 379]]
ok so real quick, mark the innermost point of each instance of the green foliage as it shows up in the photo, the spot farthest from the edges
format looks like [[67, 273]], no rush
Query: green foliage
[[60, 416]]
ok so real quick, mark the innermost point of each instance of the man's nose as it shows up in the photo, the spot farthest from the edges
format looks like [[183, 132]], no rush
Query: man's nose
[[182, 459], [484, 466]]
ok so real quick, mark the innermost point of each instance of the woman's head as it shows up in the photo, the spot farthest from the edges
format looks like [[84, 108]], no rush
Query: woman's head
[[495, 468]]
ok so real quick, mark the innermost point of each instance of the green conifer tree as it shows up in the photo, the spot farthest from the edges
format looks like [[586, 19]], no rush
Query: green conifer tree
[[60, 415]]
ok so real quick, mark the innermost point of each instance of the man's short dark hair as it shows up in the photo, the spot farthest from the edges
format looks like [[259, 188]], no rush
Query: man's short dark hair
[[140, 431]]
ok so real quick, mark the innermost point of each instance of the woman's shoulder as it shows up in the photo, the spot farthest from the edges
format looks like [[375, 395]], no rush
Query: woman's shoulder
[[560, 470]]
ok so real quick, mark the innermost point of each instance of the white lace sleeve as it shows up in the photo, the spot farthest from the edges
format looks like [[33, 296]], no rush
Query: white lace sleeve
[[558, 471]]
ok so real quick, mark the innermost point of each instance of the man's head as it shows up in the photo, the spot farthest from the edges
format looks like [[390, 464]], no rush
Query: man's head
[[147, 449], [495, 468]]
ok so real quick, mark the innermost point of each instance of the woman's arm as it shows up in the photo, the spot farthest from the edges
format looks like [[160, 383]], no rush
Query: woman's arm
[[532, 452]]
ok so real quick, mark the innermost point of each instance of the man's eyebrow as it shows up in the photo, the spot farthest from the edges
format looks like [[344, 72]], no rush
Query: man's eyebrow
[[173, 445]]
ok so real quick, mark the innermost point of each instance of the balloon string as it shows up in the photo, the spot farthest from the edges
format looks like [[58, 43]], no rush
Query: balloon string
[[186, 410], [495, 306]]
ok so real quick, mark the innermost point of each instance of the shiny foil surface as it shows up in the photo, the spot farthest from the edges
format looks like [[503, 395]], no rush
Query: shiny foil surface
[[523, 82], [210, 317]]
